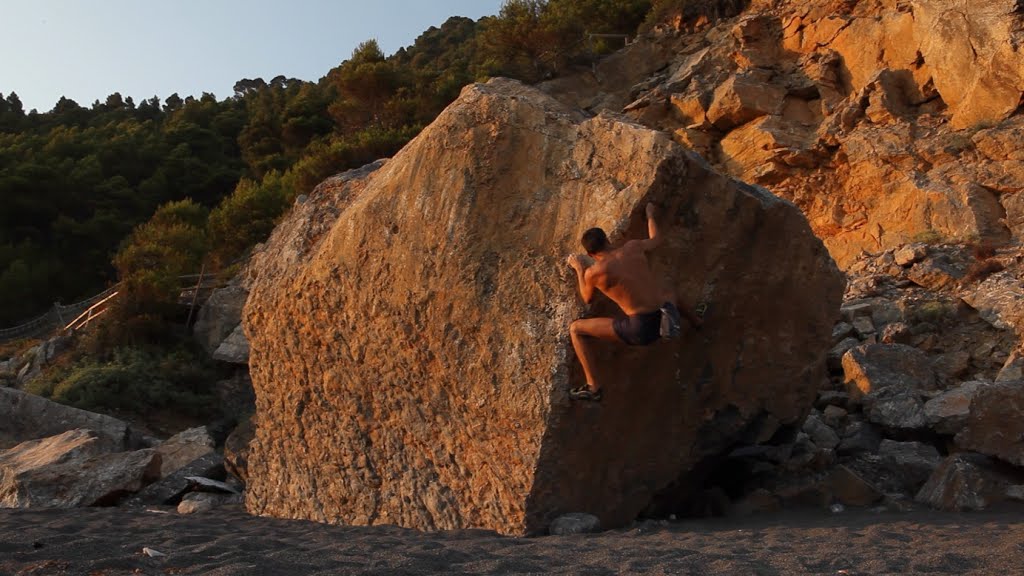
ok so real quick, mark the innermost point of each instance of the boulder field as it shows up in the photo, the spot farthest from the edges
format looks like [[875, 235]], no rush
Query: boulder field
[[411, 355]]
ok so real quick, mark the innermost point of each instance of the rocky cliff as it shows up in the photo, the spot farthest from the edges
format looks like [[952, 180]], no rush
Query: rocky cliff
[[412, 362], [885, 121]]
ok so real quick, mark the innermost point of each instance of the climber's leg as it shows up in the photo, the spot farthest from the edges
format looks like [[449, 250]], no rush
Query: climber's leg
[[600, 328]]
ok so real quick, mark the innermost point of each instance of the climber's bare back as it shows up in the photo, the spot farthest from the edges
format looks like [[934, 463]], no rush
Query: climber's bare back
[[625, 276]]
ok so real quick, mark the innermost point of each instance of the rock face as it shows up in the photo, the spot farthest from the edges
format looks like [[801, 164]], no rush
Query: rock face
[[886, 122], [412, 366]]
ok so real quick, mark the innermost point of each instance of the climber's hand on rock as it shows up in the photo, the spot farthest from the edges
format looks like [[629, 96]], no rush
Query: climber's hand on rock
[[574, 261]]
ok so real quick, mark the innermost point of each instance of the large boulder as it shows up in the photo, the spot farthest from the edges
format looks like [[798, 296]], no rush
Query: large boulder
[[968, 481], [25, 416], [994, 426], [71, 469], [170, 489], [889, 379], [414, 369], [948, 412]]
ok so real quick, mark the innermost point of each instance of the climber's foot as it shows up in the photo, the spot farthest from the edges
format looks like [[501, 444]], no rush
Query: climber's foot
[[585, 393]]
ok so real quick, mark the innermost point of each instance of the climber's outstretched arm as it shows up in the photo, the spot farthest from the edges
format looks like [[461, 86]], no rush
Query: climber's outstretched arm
[[654, 237]]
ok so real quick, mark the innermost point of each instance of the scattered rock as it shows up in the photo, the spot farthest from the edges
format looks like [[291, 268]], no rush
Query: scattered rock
[[967, 481], [828, 398], [220, 316], [840, 332], [834, 358], [745, 97], [234, 348], [911, 462], [820, 433], [896, 409], [859, 437], [70, 470], [999, 300], [951, 366], [847, 487], [196, 502], [170, 489], [575, 523], [897, 333], [871, 368], [995, 426], [1013, 368], [936, 273], [833, 416], [948, 412], [202, 484], [911, 254], [863, 326], [184, 448]]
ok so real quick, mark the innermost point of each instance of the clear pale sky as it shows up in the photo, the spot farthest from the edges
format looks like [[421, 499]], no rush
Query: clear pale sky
[[88, 49]]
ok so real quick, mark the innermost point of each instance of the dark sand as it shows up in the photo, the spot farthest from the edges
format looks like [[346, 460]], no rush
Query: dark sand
[[227, 541]]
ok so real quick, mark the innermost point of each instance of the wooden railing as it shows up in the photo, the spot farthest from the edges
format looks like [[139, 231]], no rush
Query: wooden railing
[[90, 314], [195, 289]]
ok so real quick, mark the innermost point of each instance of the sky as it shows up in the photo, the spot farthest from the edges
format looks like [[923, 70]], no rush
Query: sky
[[88, 49]]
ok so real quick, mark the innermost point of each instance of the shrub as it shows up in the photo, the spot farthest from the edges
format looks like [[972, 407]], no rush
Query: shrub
[[928, 237], [134, 380], [933, 312], [688, 10]]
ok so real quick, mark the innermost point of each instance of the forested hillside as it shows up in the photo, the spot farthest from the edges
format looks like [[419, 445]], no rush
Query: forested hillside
[[142, 191]]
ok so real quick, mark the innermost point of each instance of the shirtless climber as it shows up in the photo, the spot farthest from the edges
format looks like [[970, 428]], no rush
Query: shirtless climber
[[623, 275]]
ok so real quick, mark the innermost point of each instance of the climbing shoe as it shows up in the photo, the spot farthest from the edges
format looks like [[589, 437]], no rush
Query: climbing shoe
[[585, 393], [671, 323]]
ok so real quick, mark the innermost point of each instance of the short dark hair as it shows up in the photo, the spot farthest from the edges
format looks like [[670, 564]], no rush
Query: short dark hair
[[594, 241]]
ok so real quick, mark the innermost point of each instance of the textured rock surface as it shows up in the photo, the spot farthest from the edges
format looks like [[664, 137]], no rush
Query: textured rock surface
[[69, 470], [871, 368], [967, 481], [1000, 301], [170, 489], [220, 316], [948, 412], [995, 426], [887, 122], [413, 367], [25, 416], [184, 448], [236, 450], [234, 348]]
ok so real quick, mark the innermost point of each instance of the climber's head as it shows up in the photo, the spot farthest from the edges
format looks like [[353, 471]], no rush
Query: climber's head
[[595, 241]]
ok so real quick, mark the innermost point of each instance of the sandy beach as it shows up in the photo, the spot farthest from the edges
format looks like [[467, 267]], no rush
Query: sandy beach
[[107, 542]]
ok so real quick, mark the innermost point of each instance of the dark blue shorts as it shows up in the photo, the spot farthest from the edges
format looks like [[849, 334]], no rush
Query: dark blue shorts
[[639, 329]]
